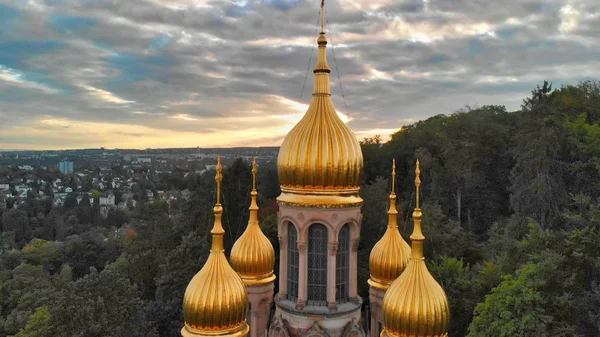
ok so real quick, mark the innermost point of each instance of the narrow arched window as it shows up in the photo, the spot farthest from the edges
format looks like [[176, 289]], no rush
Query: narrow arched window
[[342, 261], [317, 265], [293, 262]]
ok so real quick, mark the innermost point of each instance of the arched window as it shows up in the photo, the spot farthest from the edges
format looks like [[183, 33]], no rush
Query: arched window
[[317, 265], [342, 270], [292, 267]]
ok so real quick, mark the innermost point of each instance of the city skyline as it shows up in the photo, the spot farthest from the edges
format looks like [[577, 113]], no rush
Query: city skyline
[[163, 74]]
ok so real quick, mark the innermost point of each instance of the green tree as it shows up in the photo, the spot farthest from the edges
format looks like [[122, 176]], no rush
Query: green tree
[[531, 303], [537, 183], [16, 222], [71, 200], [461, 289], [37, 324], [85, 200], [99, 304]]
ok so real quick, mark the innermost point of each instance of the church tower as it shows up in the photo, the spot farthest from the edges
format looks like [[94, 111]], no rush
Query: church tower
[[415, 305], [253, 258], [319, 165], [387, 261]]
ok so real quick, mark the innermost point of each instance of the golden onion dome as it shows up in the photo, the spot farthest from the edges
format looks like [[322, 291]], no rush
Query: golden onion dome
[[415, 305], [320, 152], [215, 301], [252, 255], [391, 253]]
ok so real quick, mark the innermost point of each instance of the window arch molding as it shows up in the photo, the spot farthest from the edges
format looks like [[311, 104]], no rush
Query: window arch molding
[[331, 230], [283, 225], [352, 223]]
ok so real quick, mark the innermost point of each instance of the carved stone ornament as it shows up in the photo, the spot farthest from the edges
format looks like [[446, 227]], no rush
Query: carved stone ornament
[[278, 328], [353, 329], [282, 242], [334, 217], [315, 331], [301, 246], [300, 216], [333, 248]]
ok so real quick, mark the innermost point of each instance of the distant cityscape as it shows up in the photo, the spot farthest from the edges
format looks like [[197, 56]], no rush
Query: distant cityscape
[[114, 178]]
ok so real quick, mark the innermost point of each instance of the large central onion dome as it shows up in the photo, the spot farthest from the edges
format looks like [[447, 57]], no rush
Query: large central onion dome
[[252, 255], [391, 253], [415, 304], [320, 153], [215, 301]]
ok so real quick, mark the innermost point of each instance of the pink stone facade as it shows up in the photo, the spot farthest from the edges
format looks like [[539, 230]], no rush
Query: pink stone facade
[[260, 298], [376, 300], [335, 319]]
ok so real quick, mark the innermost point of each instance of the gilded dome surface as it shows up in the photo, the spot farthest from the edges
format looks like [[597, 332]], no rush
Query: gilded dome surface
[[320, 152], [415, 305], [252, 255], [391, 253], [215, 301]]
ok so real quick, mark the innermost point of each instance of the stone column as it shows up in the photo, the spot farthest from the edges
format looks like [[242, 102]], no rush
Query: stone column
[[254, 323], [374, 331], [302, 283], [331, 274], [353, 269]]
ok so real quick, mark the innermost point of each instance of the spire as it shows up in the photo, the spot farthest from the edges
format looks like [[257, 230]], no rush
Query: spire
[[253, 204], [393, 212], [417, 237], [322, 70], [217, 230], [322, 16]]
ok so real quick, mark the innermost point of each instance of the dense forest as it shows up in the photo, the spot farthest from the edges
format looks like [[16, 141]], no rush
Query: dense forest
[[511, 216]]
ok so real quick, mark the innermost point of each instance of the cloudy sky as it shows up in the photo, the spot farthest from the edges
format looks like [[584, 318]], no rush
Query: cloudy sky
[[183, 73]]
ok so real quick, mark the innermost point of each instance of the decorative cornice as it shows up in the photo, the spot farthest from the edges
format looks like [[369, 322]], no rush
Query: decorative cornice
[[320, 206], [321, 188]]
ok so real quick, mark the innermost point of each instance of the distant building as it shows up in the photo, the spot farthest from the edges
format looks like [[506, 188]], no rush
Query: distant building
[[26, 167], [144, 160], [65, 167], [107, 200]]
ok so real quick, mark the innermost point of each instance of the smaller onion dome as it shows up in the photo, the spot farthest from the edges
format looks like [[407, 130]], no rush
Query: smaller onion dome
[[391, 253], [252, 255], [415, 304], [215, 301]]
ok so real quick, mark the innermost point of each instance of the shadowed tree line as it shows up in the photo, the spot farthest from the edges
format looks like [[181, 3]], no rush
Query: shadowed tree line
[[511, 216]]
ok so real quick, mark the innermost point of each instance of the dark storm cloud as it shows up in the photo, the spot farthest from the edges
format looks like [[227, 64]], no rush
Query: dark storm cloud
[[196, 69]]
